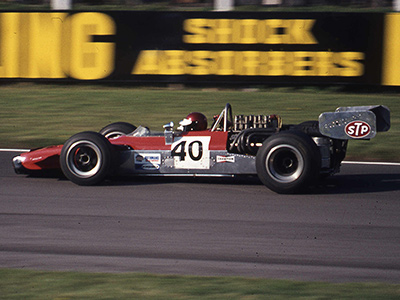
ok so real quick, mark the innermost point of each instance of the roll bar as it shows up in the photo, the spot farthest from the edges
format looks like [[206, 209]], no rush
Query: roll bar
[[225, 116]]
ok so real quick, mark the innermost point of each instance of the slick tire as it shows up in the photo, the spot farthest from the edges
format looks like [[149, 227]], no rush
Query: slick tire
[[288, 162], [117, 129], [86, 158]]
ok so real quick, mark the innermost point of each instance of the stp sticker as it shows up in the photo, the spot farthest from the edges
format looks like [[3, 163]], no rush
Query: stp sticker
[[357, 129]]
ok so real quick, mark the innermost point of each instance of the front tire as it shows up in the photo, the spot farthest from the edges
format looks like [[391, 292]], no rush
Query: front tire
[[117, 129], [86, 158], [288, 162]]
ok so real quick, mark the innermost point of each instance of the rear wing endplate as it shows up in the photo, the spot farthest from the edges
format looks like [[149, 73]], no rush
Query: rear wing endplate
[[355, 122]]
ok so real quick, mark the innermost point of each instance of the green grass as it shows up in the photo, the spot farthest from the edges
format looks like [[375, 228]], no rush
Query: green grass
[[36, 115], [23, 284]]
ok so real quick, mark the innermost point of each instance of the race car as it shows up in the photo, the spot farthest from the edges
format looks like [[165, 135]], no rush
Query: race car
[[286, 158]]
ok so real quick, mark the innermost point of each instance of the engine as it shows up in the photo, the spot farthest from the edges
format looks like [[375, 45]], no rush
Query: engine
[[242, 122]]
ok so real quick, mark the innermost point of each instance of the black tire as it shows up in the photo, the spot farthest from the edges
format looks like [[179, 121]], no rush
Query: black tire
[[288, 162], [117, 129], [86, 158]]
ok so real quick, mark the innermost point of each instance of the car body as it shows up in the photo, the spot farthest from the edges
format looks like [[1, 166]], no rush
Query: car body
[[286, 158]]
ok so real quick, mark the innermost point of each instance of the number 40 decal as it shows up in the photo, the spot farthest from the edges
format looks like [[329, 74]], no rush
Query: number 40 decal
[[191, 153], [179, 150]]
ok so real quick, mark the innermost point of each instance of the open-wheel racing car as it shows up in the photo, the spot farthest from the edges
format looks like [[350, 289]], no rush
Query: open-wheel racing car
[[286, 158]]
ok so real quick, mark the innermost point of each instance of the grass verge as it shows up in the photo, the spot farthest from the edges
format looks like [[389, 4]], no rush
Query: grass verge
[[36, 115], [23, 284]]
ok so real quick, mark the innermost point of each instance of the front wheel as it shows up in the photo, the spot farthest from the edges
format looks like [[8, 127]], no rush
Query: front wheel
[[288, 162], [86, 158], [117, 129]]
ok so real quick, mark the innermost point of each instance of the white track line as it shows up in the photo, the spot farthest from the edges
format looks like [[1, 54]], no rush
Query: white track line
[[14, 150], [344, 162], [371, 163]]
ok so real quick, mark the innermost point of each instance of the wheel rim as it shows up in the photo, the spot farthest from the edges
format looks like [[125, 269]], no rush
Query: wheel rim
[[114, 134], [84, 159], [284, 163]]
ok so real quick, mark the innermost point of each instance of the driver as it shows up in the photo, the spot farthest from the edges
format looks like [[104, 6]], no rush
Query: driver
[[194, 121]]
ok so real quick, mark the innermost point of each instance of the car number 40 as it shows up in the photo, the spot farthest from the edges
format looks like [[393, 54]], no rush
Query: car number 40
[[191, 153], [179, 150]]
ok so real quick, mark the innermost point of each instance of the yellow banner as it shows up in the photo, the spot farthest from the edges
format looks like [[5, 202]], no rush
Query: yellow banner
[[55, 45], [391, 50]]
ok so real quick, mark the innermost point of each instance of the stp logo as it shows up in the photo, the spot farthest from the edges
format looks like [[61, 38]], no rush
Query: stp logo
[[357, 129]]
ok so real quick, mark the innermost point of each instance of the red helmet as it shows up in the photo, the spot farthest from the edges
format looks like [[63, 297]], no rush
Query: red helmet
[[193, 121]]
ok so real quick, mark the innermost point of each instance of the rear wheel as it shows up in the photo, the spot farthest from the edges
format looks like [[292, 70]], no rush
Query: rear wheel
[[117, 129], [86, 158], [288, 162]]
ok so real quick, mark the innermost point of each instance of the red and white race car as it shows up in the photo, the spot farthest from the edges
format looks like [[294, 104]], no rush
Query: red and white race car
[[286, 158]]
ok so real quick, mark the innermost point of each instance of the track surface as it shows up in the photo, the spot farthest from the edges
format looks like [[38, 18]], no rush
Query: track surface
[[347, 229]]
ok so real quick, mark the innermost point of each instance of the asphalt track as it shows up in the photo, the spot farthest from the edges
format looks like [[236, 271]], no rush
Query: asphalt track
[[347, 229]]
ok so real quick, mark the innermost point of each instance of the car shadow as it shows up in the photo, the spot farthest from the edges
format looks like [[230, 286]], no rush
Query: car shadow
[[358, 184], [148, 180], [337, 184]]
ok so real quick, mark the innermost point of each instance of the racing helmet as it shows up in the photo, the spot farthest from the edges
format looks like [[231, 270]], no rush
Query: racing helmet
[[194, 121]]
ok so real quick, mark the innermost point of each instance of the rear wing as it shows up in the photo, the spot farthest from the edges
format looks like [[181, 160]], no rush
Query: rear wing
[[355, 122]]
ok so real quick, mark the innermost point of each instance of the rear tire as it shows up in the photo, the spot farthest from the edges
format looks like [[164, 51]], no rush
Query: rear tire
[[86, 158], [288, 162], [117, 129]]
